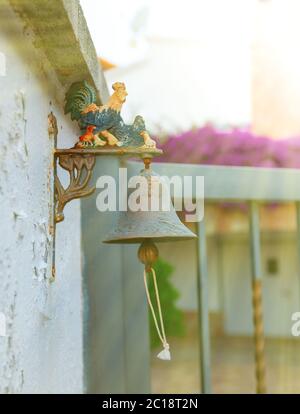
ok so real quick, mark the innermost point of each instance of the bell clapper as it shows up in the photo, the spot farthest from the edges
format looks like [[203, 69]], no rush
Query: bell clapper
[[148, 254], [147, 162]]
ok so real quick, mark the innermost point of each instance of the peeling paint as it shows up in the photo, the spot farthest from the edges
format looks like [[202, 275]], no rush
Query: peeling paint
[[44, 321]]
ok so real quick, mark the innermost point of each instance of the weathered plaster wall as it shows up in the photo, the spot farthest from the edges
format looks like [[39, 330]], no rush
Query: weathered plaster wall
[[42, 350]]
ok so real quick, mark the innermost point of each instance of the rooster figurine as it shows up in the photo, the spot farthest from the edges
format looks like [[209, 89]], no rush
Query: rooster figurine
[[103, 125]]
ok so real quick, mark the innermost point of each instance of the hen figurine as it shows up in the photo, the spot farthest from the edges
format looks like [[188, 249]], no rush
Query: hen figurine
[[103, 125], [88, 136]]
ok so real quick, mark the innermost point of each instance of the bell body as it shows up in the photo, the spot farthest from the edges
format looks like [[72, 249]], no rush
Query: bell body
[[160, 225]]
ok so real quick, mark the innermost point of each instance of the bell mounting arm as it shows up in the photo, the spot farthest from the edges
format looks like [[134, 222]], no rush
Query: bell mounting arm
[[80, 172]]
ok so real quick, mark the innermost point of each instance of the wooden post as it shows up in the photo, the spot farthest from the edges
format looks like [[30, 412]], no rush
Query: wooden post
[[203, 310], [259, 340]]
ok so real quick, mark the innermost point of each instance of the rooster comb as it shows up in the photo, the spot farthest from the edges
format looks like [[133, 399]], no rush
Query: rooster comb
[[118, 85]]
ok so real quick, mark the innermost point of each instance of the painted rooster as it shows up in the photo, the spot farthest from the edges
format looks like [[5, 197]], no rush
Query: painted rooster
[[88, 136], [102, 125]]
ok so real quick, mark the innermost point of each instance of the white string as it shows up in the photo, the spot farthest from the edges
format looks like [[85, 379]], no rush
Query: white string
[[165, 354]]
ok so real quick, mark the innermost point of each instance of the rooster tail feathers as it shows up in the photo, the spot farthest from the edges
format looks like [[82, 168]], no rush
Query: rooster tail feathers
[[79, 95]]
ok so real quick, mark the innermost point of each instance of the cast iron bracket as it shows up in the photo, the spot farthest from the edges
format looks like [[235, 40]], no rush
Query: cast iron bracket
[[79, 163]]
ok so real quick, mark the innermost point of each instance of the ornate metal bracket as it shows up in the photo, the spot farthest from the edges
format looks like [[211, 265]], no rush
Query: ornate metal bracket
[[79, 163], [80, 168]]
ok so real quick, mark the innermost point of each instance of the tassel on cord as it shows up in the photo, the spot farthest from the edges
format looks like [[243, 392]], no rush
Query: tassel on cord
[[148, 254]]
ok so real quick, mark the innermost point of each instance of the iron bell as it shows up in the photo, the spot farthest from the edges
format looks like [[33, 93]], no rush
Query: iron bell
[[147, 227], [157, 226]]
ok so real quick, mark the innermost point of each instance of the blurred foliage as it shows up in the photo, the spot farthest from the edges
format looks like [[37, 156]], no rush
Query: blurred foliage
[[172, 315], [233, 146]]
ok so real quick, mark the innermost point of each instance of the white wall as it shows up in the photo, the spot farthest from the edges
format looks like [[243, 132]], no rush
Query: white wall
[[42, 350]]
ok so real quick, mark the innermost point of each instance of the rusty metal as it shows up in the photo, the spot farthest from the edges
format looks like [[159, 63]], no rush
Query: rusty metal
[[53, 132], [259, 339], [148, 254], [260, 365], [80, 169], [80, 163], [129, 151]]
